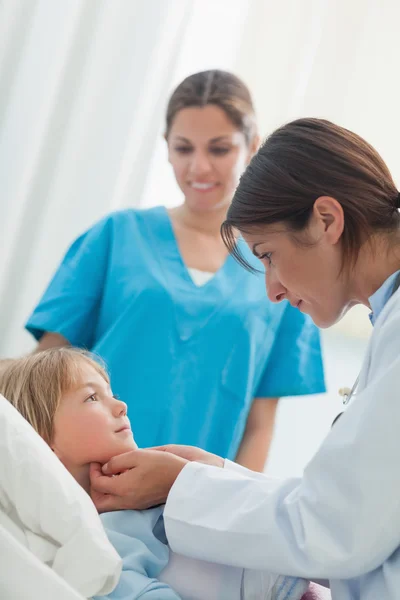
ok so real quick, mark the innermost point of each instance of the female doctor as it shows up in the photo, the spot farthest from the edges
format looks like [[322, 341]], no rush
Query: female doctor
[[319, 208], [191, 344]]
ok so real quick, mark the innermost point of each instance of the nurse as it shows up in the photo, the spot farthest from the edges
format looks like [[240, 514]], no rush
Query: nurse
[[190, 341], [319, 208]]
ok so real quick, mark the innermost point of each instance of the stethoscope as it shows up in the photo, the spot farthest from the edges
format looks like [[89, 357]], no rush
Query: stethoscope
[[348, 393]]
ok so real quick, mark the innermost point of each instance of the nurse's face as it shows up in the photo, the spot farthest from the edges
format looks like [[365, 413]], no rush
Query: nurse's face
[[208, 154], [305, 268]]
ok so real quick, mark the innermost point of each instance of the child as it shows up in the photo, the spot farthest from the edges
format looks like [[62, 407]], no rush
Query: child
[[66, 396]]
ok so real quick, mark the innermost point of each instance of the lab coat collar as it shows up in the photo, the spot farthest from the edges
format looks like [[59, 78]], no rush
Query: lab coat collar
[[378, 300]]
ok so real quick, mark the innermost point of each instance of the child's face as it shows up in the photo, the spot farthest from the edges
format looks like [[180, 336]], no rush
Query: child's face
[[90, 424]]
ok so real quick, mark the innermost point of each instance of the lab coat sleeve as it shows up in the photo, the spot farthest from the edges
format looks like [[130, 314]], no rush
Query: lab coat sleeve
[[339, 521], [232, 466]]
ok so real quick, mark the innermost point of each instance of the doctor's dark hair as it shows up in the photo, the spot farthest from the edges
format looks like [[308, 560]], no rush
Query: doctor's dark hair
[[302, 161], [220, 88]]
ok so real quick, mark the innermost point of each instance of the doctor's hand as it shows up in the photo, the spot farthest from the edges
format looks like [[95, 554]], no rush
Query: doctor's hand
[[135, 480], [192, 453]]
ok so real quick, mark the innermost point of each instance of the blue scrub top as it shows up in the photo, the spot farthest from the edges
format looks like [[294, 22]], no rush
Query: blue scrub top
[[187, 360]]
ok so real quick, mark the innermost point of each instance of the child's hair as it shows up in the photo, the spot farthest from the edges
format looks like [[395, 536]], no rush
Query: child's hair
[[5, 363], [34, 384]]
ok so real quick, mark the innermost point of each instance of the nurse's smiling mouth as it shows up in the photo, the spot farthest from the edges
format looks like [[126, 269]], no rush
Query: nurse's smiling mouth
[[203, 187]]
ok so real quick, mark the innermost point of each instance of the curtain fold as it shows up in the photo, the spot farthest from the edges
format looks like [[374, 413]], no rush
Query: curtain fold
[[84, 83], [83, 89]]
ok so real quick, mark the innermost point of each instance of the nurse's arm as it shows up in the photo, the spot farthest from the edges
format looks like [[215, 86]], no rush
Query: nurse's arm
[[51, 340], [253, 450]]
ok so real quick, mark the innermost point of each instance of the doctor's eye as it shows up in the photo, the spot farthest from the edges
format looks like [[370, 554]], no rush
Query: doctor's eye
[[267, 256]]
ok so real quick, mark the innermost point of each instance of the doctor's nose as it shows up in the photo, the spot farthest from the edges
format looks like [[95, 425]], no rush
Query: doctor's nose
[[276, 292]]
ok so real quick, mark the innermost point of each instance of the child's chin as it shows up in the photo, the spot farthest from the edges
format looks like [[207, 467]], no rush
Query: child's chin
[[116, 451], [126, 447]]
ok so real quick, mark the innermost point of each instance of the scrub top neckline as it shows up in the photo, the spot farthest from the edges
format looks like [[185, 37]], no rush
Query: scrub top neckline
[[185, 268], [202, 303]]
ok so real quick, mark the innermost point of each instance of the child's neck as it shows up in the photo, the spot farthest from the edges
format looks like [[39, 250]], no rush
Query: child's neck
[[81, 474]]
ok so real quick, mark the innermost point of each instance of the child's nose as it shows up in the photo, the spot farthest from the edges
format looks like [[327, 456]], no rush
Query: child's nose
[[121, 408]]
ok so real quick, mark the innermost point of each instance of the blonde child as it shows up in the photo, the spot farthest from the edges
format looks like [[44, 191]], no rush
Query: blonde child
[[66, 396]]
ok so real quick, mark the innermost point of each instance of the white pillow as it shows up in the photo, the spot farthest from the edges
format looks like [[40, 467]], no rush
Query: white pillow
[[23, 576], [44, 508]]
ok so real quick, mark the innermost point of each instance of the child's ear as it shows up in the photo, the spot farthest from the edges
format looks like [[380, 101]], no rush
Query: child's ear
[[53, 448]]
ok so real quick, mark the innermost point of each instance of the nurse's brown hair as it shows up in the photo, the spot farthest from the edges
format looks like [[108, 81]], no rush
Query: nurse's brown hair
[[302, 161], [219, 88]]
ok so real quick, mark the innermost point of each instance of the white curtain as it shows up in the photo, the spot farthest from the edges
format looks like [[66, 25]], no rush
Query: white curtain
[[83, 88], [334, 59]]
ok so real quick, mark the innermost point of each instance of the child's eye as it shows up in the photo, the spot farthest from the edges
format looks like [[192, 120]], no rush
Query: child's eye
[[92, 398]]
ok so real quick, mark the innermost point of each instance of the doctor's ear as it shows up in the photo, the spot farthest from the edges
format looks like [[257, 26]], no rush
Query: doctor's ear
[[329, 215]]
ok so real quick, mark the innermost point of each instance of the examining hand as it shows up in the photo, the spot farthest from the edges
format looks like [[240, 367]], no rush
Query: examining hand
[[142, 478], [192, 453]]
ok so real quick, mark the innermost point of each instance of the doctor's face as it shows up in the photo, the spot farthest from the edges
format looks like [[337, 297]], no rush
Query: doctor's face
[[90, 424], [208, 154], [304, 268]]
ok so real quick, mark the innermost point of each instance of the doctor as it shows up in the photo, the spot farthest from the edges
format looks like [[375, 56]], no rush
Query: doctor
[[319, 208]]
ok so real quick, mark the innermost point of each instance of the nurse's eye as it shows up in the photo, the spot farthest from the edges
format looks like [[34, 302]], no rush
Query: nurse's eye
[[183, 149], [91, 398], [219, 151], [266, 256]]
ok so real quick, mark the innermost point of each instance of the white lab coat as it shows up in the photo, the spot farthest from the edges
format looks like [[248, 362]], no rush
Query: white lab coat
[[340, 522]]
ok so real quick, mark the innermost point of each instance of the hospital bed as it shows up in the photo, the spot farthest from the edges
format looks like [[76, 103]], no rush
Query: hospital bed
[[52, 541]]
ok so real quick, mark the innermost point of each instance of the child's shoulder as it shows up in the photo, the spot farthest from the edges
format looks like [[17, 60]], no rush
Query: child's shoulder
[[133, 523]]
